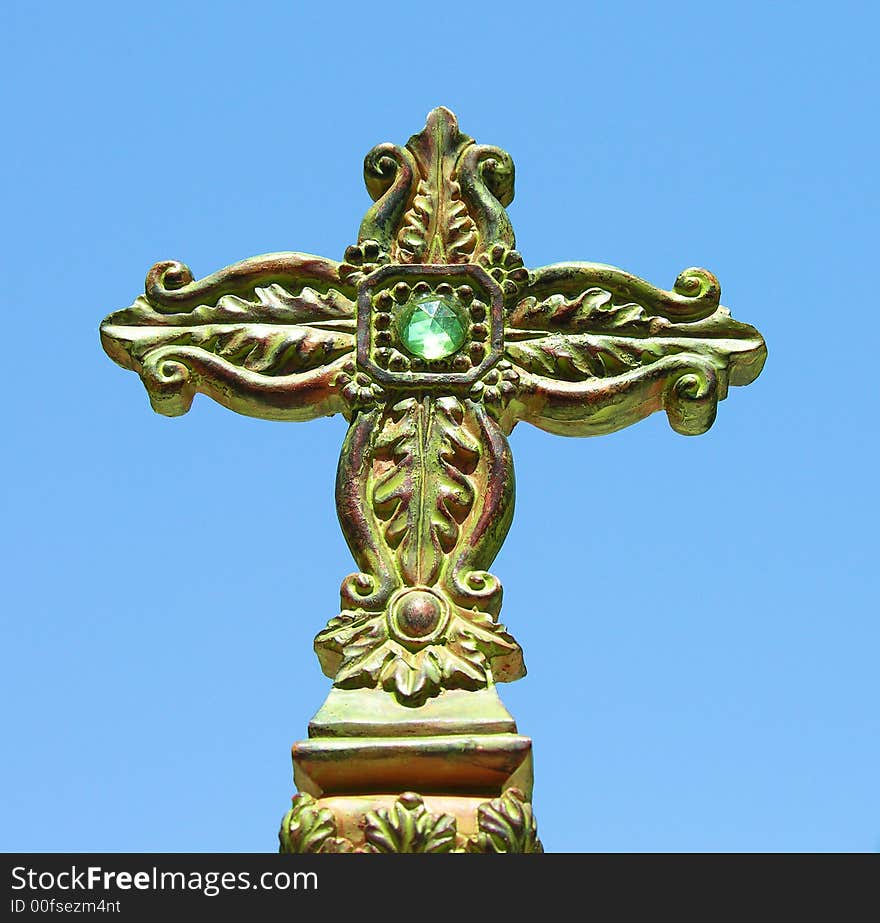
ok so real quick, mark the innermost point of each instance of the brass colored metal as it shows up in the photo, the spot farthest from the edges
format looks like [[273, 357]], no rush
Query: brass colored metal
[[425, 486], [410, 823]]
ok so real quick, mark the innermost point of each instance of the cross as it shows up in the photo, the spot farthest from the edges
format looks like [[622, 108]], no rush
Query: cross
[[433, 340]]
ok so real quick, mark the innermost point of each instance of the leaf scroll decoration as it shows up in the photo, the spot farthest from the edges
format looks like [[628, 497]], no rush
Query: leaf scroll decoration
[[409, 827], [306, 827], [423, 515], [439, 199], [267, 337], [598, 349], [506, 825], [423, 487], [437, 227]]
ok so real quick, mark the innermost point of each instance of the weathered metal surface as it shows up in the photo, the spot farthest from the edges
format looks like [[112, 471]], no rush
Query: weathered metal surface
[[458, 764], [410, 823], [425, 486]]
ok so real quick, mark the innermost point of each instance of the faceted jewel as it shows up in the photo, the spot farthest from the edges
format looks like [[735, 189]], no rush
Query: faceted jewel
[[432, 328]]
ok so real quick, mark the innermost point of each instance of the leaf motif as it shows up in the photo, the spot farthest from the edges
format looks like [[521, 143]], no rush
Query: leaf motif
[[578, 296], [413, 237], [260, 349], [397, 450], [408, 827], [478, 640], [364, 649], [422, 490], [579, 357], [439, 199], [364, 655], [274, 332], [459, 230], [269, 350], [413, 677], [306, 827], [599, 361], [463, 666], [506, 825], [593, 310], [437, 227], [270, 304]]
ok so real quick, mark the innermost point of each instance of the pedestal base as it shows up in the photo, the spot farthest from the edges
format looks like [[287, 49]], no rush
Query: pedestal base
[[428, 781]]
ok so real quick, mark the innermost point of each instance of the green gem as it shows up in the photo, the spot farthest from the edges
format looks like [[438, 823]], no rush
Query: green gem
[[432, 328]]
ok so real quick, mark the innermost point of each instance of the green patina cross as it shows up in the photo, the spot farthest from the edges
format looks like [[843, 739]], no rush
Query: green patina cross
[[434, 341]]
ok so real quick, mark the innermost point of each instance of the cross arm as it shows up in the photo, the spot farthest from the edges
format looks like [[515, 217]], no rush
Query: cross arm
[[270, 337], [596, 349]]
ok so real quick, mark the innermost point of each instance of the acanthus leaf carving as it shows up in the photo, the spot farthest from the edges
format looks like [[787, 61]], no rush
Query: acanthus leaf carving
[[437, 227], [364, 653], [479, 640], [454, 193], [306, 827], [696, 294], [599, 349], [412, 520], [266, 337], [506, 825], [422, 486], [408, 827]]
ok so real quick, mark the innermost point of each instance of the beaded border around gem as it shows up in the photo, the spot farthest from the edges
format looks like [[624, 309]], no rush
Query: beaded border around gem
[[381, 294]]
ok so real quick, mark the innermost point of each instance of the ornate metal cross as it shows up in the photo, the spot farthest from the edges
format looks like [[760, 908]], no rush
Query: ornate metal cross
[[434, 341]]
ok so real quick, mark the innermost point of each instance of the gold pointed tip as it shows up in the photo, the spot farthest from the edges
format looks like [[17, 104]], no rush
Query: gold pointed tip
[[441, 114]]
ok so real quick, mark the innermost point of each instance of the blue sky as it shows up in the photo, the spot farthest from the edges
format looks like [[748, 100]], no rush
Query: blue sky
[[699, 615]]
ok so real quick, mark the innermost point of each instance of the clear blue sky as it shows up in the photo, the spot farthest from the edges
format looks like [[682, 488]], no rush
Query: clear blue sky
[[699, 615]]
